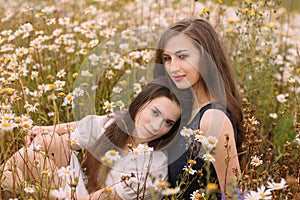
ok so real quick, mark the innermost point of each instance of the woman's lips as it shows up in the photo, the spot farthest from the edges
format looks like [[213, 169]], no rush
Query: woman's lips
[[178, 77]]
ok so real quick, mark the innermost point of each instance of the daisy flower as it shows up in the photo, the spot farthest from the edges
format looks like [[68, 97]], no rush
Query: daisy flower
[[120, 104], [109, 106], [199, 137], [46, 172], [113, 155], [77, 92], [253, 121], [20, 51], [123, 83], [273, 115], [65, 171], [252, 195], [263, 193], [93, 43], [256, 161], [64, 21], [189, 170], [141, 148], [210, 142], [126, 34], [60, 193], [74, 141], [208, 157], [196, 195], [161, 184], [117, 89], [29, 189], [94, 59], [34, 147], [186, 132], [107, 161], [85, 73], [48, 9], [137, 88], [109, 74], [91, 9], [171, 191], [277, 186], [7, 125], [281, 98], [61, 73]]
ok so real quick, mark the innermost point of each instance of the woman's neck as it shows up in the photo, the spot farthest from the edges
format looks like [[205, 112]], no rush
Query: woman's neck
[[201, 99]]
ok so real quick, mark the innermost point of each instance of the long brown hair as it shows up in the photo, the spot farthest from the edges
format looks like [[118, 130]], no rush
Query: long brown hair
[[117, 133], [215, 70]]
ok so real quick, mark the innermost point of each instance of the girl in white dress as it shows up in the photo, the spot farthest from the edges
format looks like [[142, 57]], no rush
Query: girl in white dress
[[118, 161]]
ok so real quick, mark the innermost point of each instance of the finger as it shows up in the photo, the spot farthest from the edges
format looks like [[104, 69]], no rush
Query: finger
[[27, 140]]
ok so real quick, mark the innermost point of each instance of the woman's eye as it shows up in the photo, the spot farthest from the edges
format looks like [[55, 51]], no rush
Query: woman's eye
[[154, 113], [169, 124], [166, 58], [183, 56]]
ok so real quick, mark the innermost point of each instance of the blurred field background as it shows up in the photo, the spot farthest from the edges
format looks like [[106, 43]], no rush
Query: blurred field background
[[45, 46]]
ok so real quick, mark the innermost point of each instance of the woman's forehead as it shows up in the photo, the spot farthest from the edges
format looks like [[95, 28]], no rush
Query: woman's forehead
[[178, 43]]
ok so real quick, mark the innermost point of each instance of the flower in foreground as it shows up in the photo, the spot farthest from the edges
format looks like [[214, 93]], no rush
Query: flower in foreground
[[263, 193], [196, 195], [161, 184], [273, 115], [277, 186], [210, 142], [189, 170], [65, 171], [29, 190], [7, 125], [281, 98], [252, 195], [186, 132], [171, 191], [208, 157], [211, 187], [77, 92], [60, 193], [141, 148], [113, 155], [109, 106], [256, 161]]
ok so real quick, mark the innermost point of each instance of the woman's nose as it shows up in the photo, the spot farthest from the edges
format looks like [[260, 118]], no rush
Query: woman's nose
[[174, 65], [156, 124]]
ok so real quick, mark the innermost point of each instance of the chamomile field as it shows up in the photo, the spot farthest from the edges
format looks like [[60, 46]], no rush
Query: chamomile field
[[63, 59]]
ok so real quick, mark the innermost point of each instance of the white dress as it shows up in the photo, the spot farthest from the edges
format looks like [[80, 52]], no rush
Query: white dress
[[87, 133]]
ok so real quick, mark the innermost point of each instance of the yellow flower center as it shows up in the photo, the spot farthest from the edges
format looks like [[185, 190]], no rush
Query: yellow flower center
[[5, 124], [212, 141], [107, 190], [112, 152], [198, 196]]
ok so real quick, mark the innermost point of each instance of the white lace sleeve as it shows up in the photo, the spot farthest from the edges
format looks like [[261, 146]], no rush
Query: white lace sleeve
[[147, 170], [89, 130]]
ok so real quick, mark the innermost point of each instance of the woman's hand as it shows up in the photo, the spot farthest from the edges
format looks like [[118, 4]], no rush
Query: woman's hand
[[58, 128], [36, 130]]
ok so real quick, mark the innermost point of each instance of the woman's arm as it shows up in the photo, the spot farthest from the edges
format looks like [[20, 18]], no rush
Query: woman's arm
[[58, 128], [216, 123]]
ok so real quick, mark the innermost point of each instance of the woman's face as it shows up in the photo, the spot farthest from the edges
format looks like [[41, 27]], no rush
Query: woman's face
[[182, 60], [155, 119]]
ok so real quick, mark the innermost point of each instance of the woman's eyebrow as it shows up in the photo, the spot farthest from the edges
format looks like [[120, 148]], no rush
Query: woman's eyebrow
[[157, 109], [176, 52], [179, 51]]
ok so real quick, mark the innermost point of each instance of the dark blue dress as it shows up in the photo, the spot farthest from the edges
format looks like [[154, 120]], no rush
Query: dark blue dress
[[179, 154]]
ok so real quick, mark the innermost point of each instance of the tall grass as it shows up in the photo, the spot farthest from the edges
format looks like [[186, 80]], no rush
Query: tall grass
[[44, 57]]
